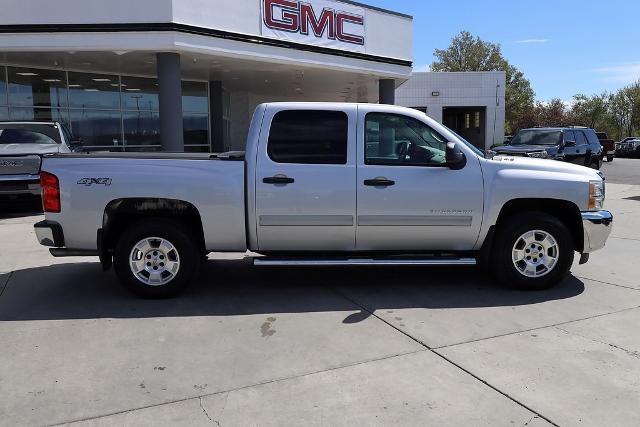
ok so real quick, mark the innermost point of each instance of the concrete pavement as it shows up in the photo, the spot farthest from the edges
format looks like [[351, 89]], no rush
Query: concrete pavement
[[320, 347]]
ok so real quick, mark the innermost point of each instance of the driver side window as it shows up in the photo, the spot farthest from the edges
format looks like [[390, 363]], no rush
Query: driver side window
[[396, 140]]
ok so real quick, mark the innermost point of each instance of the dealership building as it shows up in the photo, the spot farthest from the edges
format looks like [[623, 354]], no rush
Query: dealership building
[[470, 103], [187, 74]]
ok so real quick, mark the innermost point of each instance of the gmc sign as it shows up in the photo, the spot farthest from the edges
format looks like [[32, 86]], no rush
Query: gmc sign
[[318, 22]]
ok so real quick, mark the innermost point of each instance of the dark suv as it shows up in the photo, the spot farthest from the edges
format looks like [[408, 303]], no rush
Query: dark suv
[[572, 144]]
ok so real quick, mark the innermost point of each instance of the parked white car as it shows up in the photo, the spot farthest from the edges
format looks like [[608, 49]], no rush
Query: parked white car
[[325, 184], [22, 145]]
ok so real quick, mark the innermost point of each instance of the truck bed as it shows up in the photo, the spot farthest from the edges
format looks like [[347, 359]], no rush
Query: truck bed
[[89, 182]]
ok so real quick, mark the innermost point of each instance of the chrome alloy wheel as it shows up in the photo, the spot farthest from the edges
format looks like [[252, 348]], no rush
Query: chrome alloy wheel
[[535, 254], [154, 261]]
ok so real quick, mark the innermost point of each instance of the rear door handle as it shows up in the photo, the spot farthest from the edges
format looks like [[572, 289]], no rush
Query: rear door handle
[[379, 182], [279, 180]]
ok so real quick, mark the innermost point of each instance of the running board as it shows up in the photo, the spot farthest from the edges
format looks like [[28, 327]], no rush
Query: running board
[[268, 262]]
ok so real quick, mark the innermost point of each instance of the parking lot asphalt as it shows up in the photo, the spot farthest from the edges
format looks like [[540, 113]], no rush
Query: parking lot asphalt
[[622, 171], [339, 346]]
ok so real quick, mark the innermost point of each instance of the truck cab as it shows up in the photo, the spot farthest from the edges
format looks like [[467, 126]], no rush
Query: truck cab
[[361, 179]]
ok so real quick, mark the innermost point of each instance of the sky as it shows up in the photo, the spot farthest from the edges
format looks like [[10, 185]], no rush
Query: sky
[[564, 47]]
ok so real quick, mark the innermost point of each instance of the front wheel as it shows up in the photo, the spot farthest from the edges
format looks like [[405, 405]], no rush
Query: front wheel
[[534, 251], [156, 259], [610, 159]]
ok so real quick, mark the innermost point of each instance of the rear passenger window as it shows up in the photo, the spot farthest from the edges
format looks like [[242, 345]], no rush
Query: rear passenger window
[[592, 138], [569, 135], [309, 137], [580, 138]]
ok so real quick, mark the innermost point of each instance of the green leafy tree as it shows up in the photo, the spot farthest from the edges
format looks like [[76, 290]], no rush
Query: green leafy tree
[[469, 53], [590, 111]]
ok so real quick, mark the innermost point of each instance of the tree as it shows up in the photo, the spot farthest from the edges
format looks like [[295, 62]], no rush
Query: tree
[[553, 114], [590, 111], [467, 53]]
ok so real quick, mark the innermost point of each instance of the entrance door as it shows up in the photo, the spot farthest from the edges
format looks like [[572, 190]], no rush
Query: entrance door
[[407, 198], [306, 181], [468, 122]]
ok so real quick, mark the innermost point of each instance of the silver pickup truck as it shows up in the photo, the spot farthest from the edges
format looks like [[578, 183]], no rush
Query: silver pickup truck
[[325, 184], [21, 146]]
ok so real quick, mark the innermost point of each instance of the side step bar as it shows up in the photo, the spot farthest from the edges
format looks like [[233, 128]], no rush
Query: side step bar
[[269, 262], [63, 252]]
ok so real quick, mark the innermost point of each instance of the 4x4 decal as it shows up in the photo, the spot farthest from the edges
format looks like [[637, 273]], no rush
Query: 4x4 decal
[[88, 182]]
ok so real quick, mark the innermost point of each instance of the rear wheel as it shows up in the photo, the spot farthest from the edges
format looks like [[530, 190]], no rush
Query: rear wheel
[[534, 251], [610, 159], [156, 259]]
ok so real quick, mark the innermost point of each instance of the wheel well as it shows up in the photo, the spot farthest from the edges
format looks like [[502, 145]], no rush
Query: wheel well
[[567, 212], [119, 214]]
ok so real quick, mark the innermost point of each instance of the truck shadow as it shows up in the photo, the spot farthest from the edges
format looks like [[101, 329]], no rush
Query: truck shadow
[[19, 207], [235, 287]]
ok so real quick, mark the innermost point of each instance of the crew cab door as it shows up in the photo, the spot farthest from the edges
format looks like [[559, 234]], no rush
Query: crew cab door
[[408, 199], [572, 152], [579, 152], [306, 180]]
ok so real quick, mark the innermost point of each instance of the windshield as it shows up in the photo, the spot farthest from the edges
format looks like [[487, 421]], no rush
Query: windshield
[[537, 137]]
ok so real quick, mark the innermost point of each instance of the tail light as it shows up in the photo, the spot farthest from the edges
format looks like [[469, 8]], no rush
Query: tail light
[[50, 192]]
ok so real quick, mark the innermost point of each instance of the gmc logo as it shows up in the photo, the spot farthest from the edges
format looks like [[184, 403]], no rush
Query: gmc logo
[[296, 16]]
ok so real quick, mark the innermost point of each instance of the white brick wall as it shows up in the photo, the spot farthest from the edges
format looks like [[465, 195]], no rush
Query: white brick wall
[[473, 89]]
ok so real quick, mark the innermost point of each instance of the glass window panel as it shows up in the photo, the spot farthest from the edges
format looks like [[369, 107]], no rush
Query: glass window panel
[[41, 88], [140, 94], [226, 104], [141, 128], [3, 86], [96, 128], [396, 140], [309, 137], [25, 136], [94, 91], [580, 138], [43, 114], [569, 136], [226, 134], [4, 113], [196, 129], [194, 97]]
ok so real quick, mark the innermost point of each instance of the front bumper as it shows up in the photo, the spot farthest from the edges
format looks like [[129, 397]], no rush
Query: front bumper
[[597, 227], [49, 233], [19, 184]]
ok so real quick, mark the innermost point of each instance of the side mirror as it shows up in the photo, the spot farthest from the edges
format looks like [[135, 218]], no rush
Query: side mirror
[[456, 159]]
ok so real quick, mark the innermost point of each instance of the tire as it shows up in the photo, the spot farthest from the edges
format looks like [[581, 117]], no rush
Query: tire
[[610, 159], [167, 259], [548, 273]]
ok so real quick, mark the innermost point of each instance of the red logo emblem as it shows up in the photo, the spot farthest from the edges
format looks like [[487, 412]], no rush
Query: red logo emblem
[[296, 16]]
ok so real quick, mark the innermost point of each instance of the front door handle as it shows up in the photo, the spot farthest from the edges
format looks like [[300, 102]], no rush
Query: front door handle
[[279, 180], [379, 182]]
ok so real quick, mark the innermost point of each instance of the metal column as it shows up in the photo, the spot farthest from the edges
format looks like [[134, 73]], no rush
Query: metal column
[[387, 89], [216, 112], [170, 91]]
